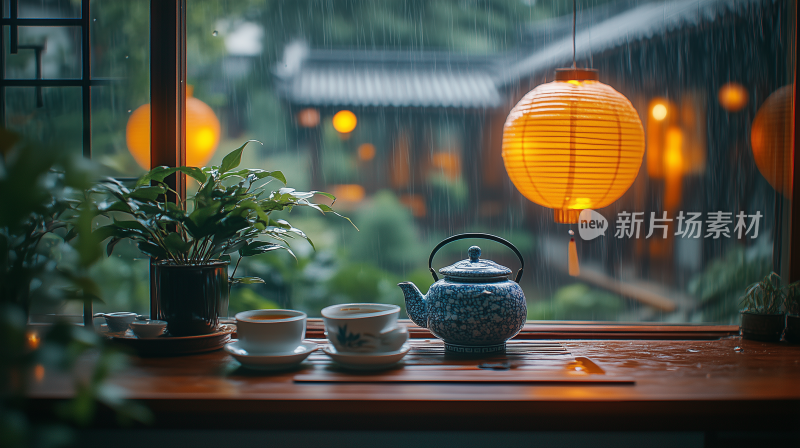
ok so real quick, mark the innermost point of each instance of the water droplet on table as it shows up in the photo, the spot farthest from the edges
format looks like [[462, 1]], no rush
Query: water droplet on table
[[737, 349], [691, 350]]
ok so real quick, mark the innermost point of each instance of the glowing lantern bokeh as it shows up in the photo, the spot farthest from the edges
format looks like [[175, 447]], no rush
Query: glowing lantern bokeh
[[733, 97], [348, 192], [573, 144], [366, 151], [308, 118], [770, 138], [661, 117], [202, 133], [344, 121], [659, 112]]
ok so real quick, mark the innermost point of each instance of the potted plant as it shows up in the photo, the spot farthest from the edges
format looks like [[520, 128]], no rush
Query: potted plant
[[762, 319], [192, 242], [792, 305]]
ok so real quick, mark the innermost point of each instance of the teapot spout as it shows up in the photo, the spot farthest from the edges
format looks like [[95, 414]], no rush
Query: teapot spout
[[415, 304]]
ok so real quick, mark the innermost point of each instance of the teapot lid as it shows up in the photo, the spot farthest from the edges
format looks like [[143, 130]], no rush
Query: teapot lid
[[474, 267]]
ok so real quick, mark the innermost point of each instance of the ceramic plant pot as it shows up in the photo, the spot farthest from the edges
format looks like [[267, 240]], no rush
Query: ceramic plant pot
[[191, 298], [763, 327], [792, 328]]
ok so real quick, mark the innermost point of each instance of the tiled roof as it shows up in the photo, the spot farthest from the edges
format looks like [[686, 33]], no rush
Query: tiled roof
[[385, 79], [637, 23], [323, 77], [371, 86]]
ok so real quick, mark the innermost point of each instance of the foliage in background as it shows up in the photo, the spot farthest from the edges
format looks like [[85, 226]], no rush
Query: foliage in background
[[764, 297], [720, 285], [577, 302], [229, 213], [388, 235], [47, 248], [318, 279], [124, 280]]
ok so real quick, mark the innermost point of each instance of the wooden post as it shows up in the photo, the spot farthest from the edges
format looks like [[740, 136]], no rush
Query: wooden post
[[168, 97], [794, 218]]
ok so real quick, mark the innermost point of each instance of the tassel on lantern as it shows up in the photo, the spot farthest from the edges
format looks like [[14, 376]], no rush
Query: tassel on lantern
[[574, 268]]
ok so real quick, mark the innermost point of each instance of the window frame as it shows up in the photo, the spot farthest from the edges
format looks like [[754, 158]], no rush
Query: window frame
[[168, 122], [85, 82]]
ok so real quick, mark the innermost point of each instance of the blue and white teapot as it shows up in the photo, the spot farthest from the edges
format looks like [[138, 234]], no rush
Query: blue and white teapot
[[475, 308]]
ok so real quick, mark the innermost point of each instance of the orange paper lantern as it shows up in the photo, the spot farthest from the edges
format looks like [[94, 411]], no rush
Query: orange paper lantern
[[202, 133], [573, 144], [771, 137]]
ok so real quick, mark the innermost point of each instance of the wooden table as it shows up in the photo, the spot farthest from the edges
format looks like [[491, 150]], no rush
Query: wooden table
[[704, 386]]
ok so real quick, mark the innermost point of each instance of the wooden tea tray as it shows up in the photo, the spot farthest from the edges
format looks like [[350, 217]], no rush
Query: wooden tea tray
[[173, 345], [523, 362]]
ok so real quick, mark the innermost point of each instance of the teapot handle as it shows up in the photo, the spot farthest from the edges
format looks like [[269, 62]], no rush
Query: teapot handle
[[485, 236]]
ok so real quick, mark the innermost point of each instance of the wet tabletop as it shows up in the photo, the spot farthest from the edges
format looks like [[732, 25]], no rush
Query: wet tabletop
[[683, 383]]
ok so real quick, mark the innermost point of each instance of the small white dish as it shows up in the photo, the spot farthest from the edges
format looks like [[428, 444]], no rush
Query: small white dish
[[270, 361], [366, 361], [148, 329]]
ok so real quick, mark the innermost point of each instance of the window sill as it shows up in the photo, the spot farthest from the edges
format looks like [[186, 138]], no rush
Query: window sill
[[551, 329], [582, 330]]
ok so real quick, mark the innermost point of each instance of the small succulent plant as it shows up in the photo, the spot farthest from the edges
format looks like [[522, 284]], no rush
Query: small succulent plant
[[764, 297], [792, 298]]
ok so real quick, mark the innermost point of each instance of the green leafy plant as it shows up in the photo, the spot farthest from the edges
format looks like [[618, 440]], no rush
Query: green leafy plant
[[229, 213], [792, 298], [40, 212], [46, 248], [764, 297]]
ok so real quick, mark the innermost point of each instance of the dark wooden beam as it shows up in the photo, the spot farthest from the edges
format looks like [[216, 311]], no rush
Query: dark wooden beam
[[168, 96], [167, 87], [794, 220], [86, 109]]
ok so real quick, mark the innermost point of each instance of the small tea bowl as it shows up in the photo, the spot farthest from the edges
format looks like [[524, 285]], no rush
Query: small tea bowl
[[148, 329], [118, 322]]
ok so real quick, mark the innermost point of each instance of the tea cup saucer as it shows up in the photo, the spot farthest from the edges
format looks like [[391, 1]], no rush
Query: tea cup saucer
[[270, 361], [366, 361]]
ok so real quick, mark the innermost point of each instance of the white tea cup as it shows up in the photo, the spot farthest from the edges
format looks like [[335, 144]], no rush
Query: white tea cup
[[364, 327], [270, 331]]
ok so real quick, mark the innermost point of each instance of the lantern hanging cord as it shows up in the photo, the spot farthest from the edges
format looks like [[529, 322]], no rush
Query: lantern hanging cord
[[574, 15]]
